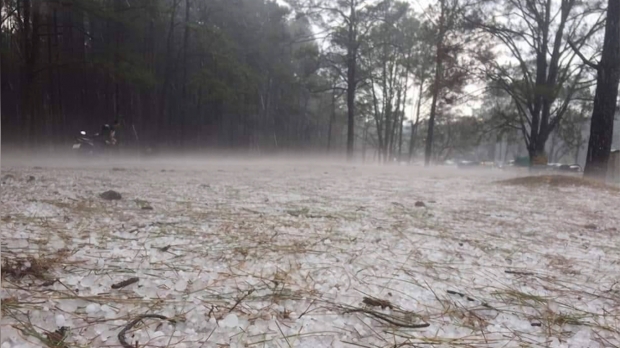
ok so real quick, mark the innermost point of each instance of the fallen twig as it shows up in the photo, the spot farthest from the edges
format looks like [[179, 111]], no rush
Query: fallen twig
[[452, 292], [125, 283], [49, 282], [375, 302], [121, 335]]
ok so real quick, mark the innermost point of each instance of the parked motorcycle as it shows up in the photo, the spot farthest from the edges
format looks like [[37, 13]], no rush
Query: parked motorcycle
[[91, 145], [96, 144], [84, 144]]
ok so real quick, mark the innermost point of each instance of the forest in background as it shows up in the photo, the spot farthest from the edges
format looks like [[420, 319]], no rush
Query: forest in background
[[356, 75], [184, 73]]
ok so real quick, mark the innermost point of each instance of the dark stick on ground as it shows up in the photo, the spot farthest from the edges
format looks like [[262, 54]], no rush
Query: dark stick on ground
[[121, 335], [519, 273], [125, 283]]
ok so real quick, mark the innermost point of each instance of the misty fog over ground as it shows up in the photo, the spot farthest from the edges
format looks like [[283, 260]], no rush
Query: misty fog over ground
[[291, 252]]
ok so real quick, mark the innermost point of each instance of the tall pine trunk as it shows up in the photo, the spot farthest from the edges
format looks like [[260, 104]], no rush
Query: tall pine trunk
[[428, 151], [414, 126], [351, 82], [608, 78], [183, 118], [401, 121], [165, 124], [332, 118], [31, 41], [52, 123]]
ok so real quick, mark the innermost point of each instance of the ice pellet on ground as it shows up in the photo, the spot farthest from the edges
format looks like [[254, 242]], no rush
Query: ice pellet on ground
[[180, 285], [60, 320], [230, 321], [93, 308]]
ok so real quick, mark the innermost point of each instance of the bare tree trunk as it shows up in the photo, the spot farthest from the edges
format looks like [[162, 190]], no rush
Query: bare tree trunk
[[501, 150], [351, 82], [118, 33], [350, 112], [386, 94], [395, 119], [199, 112], [183, 116], [404, 107], [414, 126], [61, 126], [547, 73], [51, 119], [377, 116], [552, 149], [400, 135], [608, 78], [400, 123], [332, 117], [364, 141], [28, 70], [167, 72], [577, 150], [412, 141], [506, 149], [31, 18], [387, 131], [428, 152]]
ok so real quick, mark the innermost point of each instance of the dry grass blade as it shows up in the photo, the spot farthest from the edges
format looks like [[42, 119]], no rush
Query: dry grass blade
[[404, 320]]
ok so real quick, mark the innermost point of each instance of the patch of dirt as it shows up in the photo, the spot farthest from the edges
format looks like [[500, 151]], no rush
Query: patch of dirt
[[558, 181]]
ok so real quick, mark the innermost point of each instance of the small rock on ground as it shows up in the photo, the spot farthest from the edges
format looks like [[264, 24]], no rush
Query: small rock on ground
[[111, 196], [420, 204]]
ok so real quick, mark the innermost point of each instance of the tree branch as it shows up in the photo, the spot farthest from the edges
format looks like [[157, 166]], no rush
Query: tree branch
[[585, 60]]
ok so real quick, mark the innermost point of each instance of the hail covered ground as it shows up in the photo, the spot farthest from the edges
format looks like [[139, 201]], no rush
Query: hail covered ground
[[304, 254]]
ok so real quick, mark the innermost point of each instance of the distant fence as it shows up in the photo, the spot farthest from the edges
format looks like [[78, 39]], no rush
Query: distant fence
[[613, 167]]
